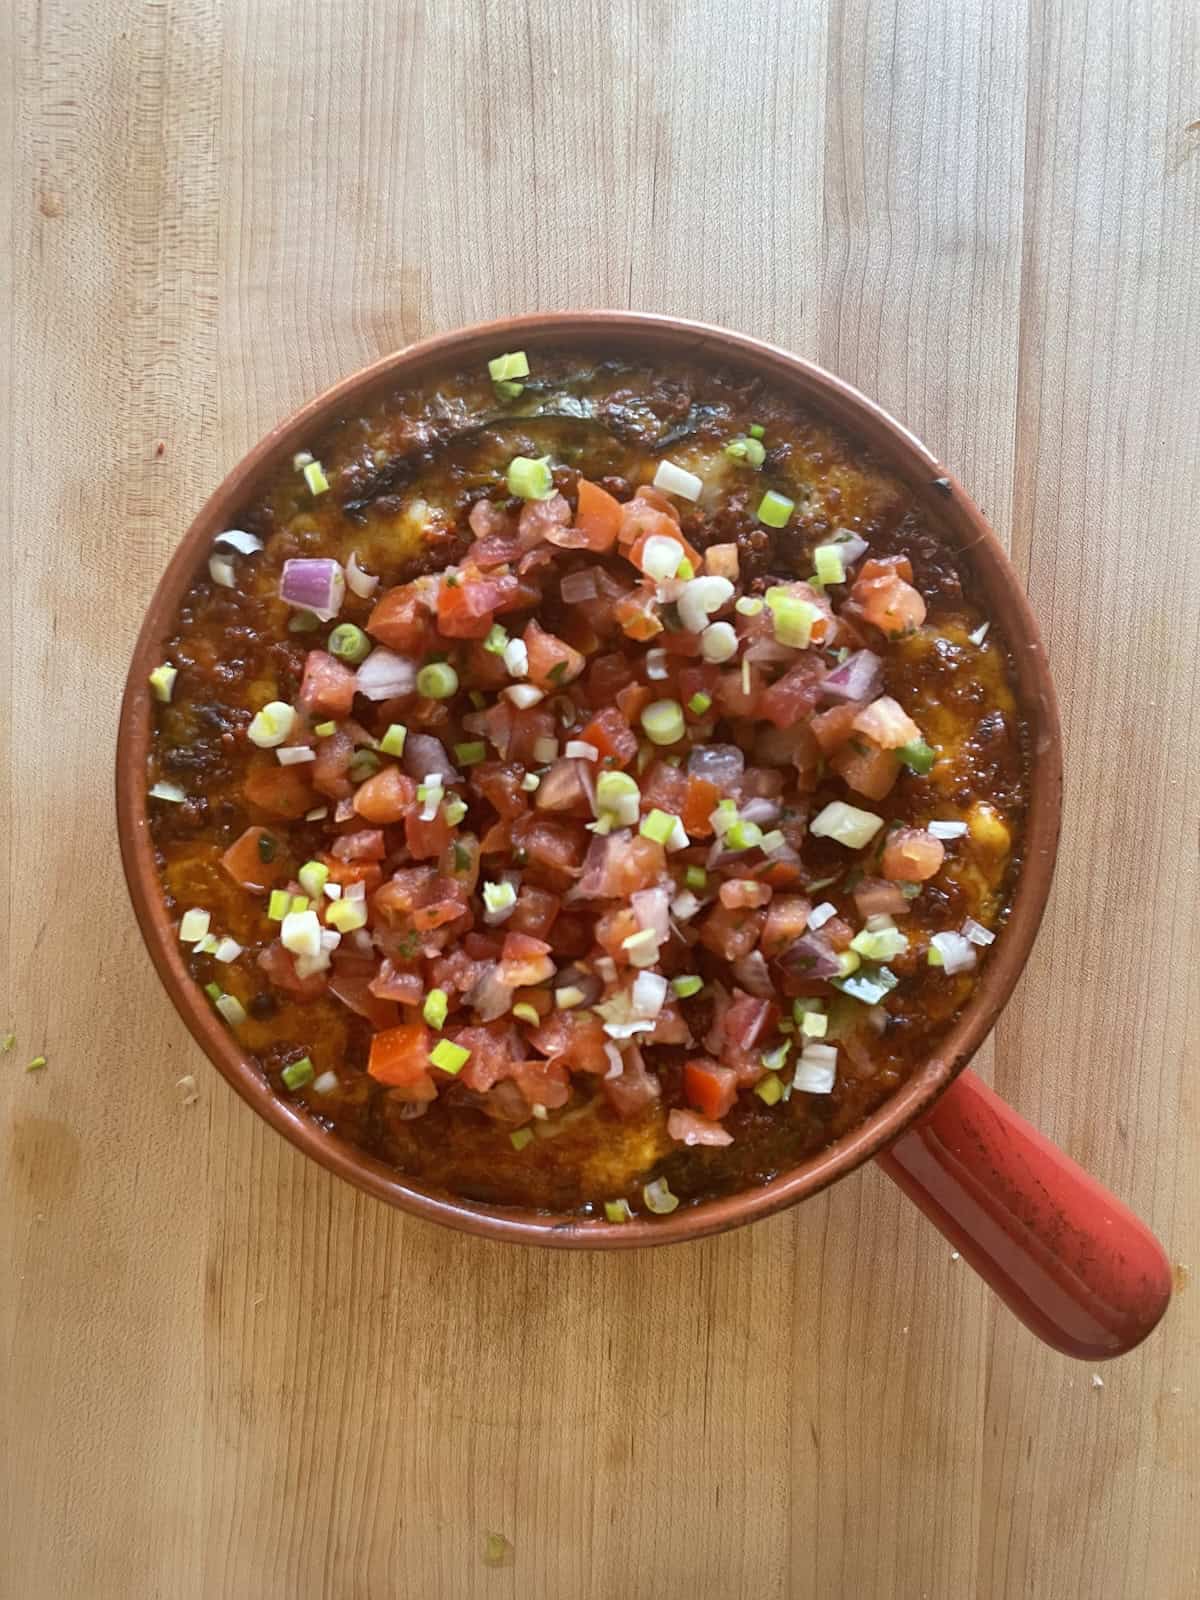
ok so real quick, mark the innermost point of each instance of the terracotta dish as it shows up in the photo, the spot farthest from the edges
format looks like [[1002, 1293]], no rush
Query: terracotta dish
[[1067, 1257]]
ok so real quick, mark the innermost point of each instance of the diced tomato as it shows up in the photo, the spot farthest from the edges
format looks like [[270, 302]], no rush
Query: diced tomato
[[426, 840], [495, 1052], [731, 934], [572, 936], [386, 796], [483, 669], [448, 906], [886, 566], [576, 1038], [786, 922], [647, 513], [883, 596], [699, 803], [637, 864], [517, 594], [541, 519], [466, 606], [528, 728], [279, 965], [482, 945], [694, 680], [866, 768], [607, 675], [876, 897], [833, 727], [348, 872], [541, 1000], [635, 1091], [597, 519], [632, 700], [256, 860], [738, 692], [740, 893], [886, 723], [710, 1088], [562, 789], [664, 787], [552, 663], [794, 695], [669, 1027], [407, 889], [500, 785], [403, 617], [365, 844], [911, 856], [392, 982], [613, 928], [550, 842], [543, 1083], [534, 912], [400, 1055], [837, 933], [282, 792], [685, 1127], [330, 769], [497, 840], [637, 615], [460, 860], [655, 524], [525, 961], [498, 722], [327, 688], [612, 736], [351, 982]]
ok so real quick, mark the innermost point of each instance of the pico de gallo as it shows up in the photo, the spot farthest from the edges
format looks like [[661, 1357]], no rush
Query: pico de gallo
[[586, 786]]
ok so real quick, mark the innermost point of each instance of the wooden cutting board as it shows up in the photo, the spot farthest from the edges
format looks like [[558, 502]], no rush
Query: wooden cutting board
[[226, 1375]]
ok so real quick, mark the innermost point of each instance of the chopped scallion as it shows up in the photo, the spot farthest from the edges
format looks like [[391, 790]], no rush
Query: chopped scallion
[[437, 681], [775, 509], [449, 1057], [392, 743], [520, 1137], [349, 643], [298, 1073], [314, 477], [530, 478], [162, 681], [435, 1008]]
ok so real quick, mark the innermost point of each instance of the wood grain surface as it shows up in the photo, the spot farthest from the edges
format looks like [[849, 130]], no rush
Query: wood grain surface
[[227, 1376]]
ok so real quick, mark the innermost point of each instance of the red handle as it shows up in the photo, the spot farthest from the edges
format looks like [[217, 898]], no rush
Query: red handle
[[1074, 1263]]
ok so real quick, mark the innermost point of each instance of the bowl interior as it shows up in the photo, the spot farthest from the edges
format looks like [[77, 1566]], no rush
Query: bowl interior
[[895, 448]]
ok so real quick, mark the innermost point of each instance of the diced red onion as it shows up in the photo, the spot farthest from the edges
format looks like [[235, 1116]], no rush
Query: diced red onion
[[344, 810], [475, 722], [876, 897], [851, 550], [244, 543], [425, 757], [315, 583], [579, 586], [220, 570], [760, 810], [363, 584], [410, 1110], [385, 676], [586, 771], [977, 933], [721, 764], [616, 1064], [810, 958], [820, 915], [860, 677], [752, 975], [651, 907], [490, 998]]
